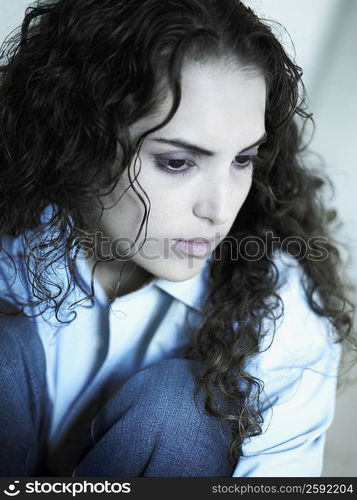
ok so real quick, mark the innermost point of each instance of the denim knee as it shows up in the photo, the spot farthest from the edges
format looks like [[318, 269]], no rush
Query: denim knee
[[157, 392], [153, 427]]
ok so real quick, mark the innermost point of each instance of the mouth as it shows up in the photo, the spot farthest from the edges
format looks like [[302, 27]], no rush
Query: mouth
[[198, 240], [199, 247]]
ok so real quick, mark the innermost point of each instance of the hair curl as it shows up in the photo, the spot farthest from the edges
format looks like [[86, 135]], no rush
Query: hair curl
[[79, 74]]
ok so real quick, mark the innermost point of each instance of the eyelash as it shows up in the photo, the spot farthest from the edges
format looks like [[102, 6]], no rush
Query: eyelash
[[162, 163]]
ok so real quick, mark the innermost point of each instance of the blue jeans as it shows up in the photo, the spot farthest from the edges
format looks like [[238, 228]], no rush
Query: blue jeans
[[150, 427]]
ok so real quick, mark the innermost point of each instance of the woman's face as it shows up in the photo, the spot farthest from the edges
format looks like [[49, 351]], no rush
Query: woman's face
[[196, 171]]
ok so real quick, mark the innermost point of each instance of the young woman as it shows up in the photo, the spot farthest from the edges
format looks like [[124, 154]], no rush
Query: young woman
[[172, 303]]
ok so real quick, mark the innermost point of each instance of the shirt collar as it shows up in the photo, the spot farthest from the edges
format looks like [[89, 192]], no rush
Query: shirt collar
[[191, 292]]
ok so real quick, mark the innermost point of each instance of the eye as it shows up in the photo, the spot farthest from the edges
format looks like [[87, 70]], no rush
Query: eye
[[244, 161], [174, 166]]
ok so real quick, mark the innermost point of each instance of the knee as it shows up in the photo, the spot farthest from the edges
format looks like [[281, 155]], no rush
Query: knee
[[156, 421], [168, 377], [165, 387], [172, 421], [164, 404], [151, 398]]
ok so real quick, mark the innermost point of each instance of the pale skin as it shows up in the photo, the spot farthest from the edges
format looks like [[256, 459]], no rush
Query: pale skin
[[222, 111]]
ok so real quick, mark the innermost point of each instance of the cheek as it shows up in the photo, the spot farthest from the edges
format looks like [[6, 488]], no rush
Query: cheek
[[247, 184], [167, 203], [159, 207], [241, 191], [122, 219]]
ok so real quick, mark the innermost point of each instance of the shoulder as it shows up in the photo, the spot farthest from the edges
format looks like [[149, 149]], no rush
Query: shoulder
[[299, 338], [298, 367], [19, 262]]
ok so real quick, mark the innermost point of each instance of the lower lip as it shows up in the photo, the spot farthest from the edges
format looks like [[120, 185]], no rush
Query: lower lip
[[196, 248]]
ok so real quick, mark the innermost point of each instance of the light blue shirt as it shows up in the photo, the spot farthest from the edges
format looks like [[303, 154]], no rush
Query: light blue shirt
[[298, 366]]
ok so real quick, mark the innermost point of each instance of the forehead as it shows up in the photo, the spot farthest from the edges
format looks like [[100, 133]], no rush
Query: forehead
[[221, 103]]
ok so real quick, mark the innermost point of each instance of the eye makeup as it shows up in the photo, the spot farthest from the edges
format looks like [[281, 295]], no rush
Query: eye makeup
[[174, 163]]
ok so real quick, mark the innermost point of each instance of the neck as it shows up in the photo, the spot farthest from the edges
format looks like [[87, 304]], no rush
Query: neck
[[108, 273]]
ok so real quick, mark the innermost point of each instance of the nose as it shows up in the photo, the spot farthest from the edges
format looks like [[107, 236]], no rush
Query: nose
[[214, 203]]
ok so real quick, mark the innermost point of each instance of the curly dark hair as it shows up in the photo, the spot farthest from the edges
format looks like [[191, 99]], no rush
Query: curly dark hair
[[79, 74]]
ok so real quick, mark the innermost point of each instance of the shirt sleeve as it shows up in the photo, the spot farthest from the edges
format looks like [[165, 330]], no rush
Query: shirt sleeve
[[299, 370]]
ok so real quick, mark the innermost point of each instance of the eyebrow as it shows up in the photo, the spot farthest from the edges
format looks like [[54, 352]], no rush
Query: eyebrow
[[198, 149]]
